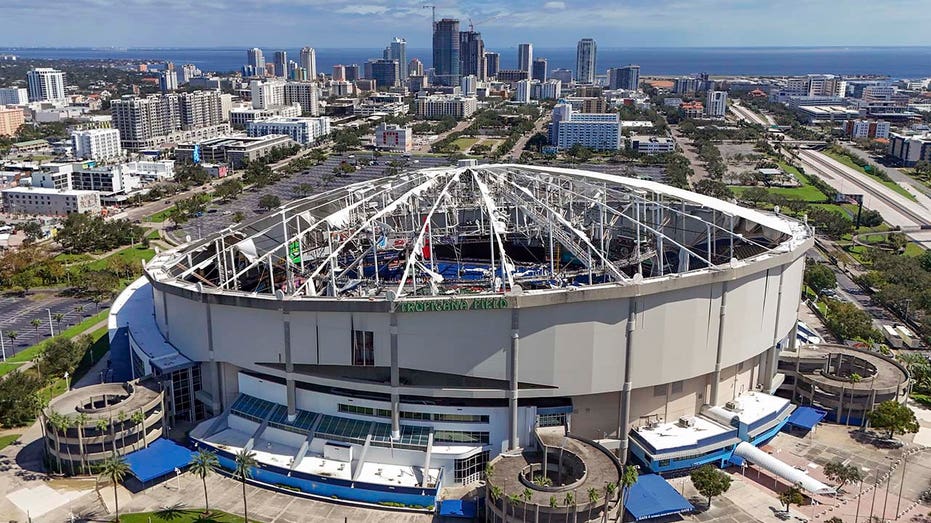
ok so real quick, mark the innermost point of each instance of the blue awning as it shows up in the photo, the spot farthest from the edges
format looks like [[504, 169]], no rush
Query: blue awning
[[159, 458], [457, 508], [806, 417], [653, 497]]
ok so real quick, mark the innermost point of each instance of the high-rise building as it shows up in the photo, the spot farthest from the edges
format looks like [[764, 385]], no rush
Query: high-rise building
[[415, 67], [309, 62], [538, 71], [304, 94], [492, 64], [281, 64], [97, 144], [168, 79], [585, 54], [592, 130], [469, 85], [256, 59], [386, 73], [471, 54], [523, 92], [716, 103], [151, 121], [524, 57], [551, 89], [11, 119], [46, 85], [352, 73], [14, 96], [438, 106], [563, 75], [304, 131], [627, 77], [339, 73], [446, 52], [397, 50], [267, 93]]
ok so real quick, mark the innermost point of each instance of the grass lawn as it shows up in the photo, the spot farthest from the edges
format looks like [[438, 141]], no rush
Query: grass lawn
[[180, 516], [72, 258], [844, 159], [6, 440], [131, 254], [154, 235], [8, 367], [464, 143], [100, 347], [806, 192], [28, 353], [913, 249], [53, 389], [160, 216]]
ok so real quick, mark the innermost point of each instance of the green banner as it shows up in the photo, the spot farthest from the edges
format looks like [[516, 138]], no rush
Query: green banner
[[453, 304], [294, 252]]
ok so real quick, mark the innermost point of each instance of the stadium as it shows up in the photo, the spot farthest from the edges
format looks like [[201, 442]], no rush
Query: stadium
[[379, 341]]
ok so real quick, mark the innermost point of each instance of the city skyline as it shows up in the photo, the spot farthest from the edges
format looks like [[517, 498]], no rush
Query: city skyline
[[666, 23]]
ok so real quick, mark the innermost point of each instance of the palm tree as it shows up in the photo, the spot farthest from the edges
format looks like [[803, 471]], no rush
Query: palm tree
[[12, 335], [628, 478], [101, 426], [60, 423], [80, 421], [115, 469], [569, 499], [245, 461], [121, 418], [58, 317], [80, 310], [138, 418], [528, 495], [593, 497], [204, 463], [36, 323], [610, 489]]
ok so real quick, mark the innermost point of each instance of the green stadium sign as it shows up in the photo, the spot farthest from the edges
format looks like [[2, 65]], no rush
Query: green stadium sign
[[453, 304]]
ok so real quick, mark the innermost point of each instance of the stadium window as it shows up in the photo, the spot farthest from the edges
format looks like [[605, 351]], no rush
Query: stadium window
[[363, 348], [659, 390], [677, 387]]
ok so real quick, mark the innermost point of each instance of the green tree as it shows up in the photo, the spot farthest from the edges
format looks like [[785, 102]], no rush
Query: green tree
[[18, 398], [269, 201], [894, 417], [830, 223], [715, 188], [204, 463], [819, 277], [842, 474], [792, 496], [115, 470], [12, 334], [238, 216], [710, 482], [755, 195], [63, 354], [848, 321], [245, 462], [228, 189], [32, 230], [580, 152], [870, 218], [36, 323], [303, 190], [629, 477]]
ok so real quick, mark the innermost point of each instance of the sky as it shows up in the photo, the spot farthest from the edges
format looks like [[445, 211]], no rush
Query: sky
[[503, 23]]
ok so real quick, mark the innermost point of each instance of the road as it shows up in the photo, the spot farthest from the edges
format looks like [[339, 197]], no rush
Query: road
[[688, 150], [746, 114], [519, 146], [895, 208], [897, 176], [461, 126]]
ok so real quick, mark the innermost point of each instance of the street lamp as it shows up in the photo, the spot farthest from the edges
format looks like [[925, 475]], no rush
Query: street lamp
[[51, 327]]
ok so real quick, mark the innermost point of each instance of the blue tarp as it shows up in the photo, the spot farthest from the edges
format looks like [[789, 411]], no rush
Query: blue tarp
[[806, 417], [457, 508], [652, 497], [159, 458]]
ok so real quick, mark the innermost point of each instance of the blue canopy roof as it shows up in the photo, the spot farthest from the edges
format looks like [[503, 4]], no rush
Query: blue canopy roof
[[652, 497], [806, 417], [159, 458], [457, 508]]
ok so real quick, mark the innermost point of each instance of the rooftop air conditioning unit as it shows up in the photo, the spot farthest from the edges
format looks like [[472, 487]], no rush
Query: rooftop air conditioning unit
[[732, 406], [686, 421]]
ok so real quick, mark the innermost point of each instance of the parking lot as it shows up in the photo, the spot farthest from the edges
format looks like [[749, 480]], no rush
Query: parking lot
[[17, 312], [248, 202]]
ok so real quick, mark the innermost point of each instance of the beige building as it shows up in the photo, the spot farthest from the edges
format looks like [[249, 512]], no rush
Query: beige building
[[49, 202], [11, 118]]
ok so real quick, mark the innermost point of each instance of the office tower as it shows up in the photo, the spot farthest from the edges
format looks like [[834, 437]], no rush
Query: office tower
[[627, 77], [585, 61], [446, 52], [292, 66], [469, 85], [563, 75], [339, 73], [524, 57], [492, 64], [397, 50], [189, 71], [471, 54], [523, 92], [46, 85], [386, 73], [716, 104], [551, 89], [281, 64], [352, 73], [304, 94], [539, 69], [14, 96], [309, 62], [256, 59], [267, 93], [415, 67]]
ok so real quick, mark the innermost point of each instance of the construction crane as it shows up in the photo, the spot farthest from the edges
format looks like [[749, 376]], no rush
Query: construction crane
[[472, 26], [433, 9]]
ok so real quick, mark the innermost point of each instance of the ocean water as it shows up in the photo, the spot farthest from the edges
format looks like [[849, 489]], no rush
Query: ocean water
[[897, 62]]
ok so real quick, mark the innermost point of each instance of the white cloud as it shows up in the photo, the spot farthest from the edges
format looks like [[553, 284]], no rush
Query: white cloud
[[554, 5], [363, 9]]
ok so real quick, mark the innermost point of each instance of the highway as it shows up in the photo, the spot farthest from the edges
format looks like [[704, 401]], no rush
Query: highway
[[746, 114], [895, 208]]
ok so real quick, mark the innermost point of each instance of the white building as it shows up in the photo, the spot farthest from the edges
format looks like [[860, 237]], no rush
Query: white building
[[438, 106], [241, 116], [267, 93], [522, 96], [14, 96], [304, 131], [97, 144], [593, 130], [867, 128], [469, 85], [46, 85], [393, 137], [168, 81], [524, 57], [303, 94], [585, 61], [341, 88], [716, 104], [652, 144], [49, 202], [550, 89], [309, 62]]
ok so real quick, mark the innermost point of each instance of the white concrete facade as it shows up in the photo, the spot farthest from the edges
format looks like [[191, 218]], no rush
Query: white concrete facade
[[97, 144]]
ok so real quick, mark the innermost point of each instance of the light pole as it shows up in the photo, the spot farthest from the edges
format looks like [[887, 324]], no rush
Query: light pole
[[51, 328], [2, 346]]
